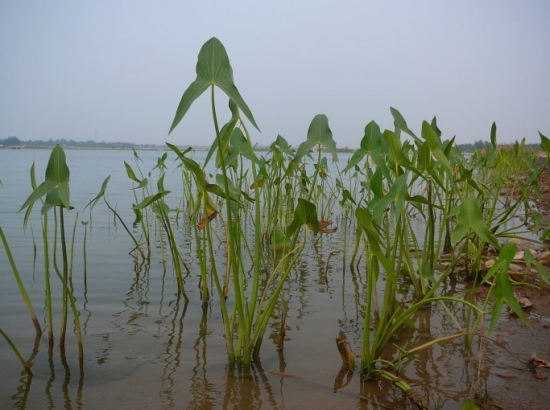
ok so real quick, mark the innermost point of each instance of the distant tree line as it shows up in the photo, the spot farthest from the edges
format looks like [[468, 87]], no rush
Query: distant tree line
[[478, 145], [16, 142], [481, 145]]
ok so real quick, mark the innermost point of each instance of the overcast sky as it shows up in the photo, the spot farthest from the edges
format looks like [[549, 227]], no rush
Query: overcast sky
[[116, 70]]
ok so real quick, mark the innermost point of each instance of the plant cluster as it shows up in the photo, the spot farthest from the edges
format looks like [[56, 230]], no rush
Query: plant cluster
[[262, 211]]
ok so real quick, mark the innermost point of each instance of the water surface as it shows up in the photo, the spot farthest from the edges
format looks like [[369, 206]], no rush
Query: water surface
[[145, 347]]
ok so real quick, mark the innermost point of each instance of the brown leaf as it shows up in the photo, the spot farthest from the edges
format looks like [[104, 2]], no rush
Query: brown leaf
[[260, 183], [523, 302], [544, 260], [537, 361], [347, 355], [323, 227], [205, 219]]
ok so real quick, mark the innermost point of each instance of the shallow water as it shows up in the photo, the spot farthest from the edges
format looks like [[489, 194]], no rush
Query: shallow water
[[146, 348]]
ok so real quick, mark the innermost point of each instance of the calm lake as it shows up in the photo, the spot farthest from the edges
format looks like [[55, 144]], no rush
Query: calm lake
[[145, 347]]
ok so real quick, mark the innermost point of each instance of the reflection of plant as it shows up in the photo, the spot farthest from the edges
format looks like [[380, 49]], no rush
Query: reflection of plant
[[260, 209]]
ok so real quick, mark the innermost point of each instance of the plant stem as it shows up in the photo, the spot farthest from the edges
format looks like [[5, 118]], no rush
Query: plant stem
[[65, 277], [16, 351], [20, 284]]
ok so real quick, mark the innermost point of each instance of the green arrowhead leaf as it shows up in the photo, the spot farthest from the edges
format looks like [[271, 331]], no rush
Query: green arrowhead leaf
[[503, 288], [400, 123], [370, 144], [318, 133], [130, 172], [395, 155], [283, 145], [213, 69], [56, 184], [38, 193], [494, 135], [544, 143], [305, 213], [192, 166], [238, 145], [435, 127], [434, 143], [150, 199], [100, 195], [57, 170], [469, 219], [396, 196]]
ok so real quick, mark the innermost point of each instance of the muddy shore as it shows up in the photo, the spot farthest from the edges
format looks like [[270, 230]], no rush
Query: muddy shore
[[518, 380]]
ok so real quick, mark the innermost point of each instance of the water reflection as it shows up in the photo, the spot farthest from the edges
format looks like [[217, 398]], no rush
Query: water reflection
[[172, 355], [23, 389], [59, 383], [146, 346], [248, 390], [204, 393], [174, 347]]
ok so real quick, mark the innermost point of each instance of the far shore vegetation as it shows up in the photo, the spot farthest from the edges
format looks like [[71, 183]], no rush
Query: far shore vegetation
[[13, 142]]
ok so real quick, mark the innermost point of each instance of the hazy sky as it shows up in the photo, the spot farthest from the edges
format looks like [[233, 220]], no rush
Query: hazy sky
[[116, 70]]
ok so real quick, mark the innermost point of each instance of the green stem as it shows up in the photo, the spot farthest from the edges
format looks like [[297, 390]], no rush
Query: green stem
[[16, 351], [257, 237], [76, 315], [284, 266], [232, 251], [20, 284], [47, 280], [65, 277], [136, 243]]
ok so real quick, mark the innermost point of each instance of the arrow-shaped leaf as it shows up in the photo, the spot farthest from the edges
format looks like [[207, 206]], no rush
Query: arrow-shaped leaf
[[469, 219], [57, 179], [304, 214], [213, 69]]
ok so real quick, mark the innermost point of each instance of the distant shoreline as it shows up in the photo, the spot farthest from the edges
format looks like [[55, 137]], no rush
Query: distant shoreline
[[137, 148], [16, 143], [129, 148]]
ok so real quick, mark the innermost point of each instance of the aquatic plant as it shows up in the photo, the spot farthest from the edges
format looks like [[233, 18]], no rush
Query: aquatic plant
[[161, 210], [454, 221], [413, 182], [254, 301], [143, 186], [103, 195], [16, 351], [418, 213], [398, 183], [20, 283], [55, 188]]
